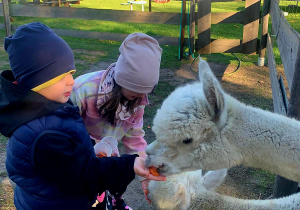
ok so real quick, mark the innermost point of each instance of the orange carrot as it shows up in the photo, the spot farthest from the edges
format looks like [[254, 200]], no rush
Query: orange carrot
[[153, 171], [101, 155]]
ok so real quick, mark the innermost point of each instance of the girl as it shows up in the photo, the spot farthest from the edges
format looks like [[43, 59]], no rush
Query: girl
[[112, 101]]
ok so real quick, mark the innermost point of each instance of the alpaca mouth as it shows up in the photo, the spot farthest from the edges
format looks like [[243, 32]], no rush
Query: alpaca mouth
[[160, 168]]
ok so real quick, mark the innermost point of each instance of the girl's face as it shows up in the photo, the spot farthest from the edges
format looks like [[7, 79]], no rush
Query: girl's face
[[59, 91], [130, 95]]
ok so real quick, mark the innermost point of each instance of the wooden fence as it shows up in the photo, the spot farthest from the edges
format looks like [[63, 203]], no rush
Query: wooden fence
[[93, 14], [203, 18], [288, 41]]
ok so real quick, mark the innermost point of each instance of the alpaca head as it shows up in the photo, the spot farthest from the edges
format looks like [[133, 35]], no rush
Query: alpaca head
[[188, 128], [179, 191]]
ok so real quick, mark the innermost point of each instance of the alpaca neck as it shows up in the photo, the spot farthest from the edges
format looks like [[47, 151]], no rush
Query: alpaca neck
[[265, 140], [213, 200]]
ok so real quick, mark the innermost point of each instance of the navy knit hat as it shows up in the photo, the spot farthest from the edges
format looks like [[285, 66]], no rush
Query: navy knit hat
[[37, 56]]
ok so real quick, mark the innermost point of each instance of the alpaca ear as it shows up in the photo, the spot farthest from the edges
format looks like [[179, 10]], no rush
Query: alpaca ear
[[203, 67], [213, 179], [182, 196], [212, 90]]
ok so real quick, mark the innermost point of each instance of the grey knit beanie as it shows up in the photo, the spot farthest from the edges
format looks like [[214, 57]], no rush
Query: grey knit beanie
[[137, 68]]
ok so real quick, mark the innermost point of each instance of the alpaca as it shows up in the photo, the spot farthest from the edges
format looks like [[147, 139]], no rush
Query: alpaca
[[199, 126], [191, 190]]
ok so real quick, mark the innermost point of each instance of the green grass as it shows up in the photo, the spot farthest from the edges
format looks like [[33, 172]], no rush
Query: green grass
[[293, 16], [162, 90], [218, 31], [173, 6], [227, 58], [265, 178], [3, 142], [103, 26]]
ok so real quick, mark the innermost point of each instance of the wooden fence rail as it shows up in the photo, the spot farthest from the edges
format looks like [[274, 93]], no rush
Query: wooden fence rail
[[288, 41]]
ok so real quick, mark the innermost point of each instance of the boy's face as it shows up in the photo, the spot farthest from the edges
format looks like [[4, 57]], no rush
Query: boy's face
[[59, 91]]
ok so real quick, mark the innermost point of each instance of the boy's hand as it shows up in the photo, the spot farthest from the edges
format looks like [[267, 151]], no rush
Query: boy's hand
[[141, 170]]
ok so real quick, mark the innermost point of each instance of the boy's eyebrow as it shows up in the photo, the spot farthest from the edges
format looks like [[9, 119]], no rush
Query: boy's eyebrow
[[52, 81]]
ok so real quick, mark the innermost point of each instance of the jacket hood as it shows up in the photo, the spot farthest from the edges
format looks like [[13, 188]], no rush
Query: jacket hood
[[19, 105]]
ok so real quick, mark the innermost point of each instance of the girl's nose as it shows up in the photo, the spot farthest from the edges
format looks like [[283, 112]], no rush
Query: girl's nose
[[140, 95]]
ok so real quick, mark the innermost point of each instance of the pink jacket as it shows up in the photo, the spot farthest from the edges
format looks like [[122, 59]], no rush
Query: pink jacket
[[89, 93]]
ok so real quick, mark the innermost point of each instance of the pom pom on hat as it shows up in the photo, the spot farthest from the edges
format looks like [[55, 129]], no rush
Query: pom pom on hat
[[137, 68], [37, 56]]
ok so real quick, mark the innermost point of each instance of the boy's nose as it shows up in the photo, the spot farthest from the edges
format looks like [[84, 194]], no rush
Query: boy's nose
[[71, 80]]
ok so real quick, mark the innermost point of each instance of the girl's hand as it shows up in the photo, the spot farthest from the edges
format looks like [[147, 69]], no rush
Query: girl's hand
[[145, 184], [141, 170]]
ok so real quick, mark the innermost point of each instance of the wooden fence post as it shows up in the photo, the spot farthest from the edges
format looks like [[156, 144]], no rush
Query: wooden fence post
[[203, 43], [182, 23], [36, 1], [294, 101], [192, 29], [284, 187], [6, 17], [251, 25], [264, 32]]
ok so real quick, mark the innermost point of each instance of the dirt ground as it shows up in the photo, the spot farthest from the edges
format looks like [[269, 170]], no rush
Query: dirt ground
[[250, 85]]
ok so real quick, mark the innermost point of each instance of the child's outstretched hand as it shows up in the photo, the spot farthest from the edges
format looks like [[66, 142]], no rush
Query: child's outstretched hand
[[141, 170]]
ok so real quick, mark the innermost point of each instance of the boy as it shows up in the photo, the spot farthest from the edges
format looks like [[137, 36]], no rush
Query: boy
[[49, 154]]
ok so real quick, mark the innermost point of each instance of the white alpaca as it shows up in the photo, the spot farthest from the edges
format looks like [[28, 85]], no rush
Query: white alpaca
[[199, 126], [191, 190]]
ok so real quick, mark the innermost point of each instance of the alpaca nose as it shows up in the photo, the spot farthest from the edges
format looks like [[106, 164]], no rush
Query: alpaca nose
[[148, 161], [150, 149]]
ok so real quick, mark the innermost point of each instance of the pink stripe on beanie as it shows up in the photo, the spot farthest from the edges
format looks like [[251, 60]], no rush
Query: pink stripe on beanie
[[137, 68]]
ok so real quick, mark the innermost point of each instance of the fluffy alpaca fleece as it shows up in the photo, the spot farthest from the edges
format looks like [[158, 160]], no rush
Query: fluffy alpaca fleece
[[199, 126], [191, 190]]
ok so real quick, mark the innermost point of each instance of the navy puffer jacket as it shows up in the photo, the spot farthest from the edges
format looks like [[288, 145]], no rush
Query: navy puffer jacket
[[50, 156], [21, 165]]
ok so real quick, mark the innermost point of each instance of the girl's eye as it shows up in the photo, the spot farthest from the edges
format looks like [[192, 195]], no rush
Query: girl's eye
[[187, 141]]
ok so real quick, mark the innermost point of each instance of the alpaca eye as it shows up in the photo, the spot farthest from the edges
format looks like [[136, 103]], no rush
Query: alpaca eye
[[187, 141]]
